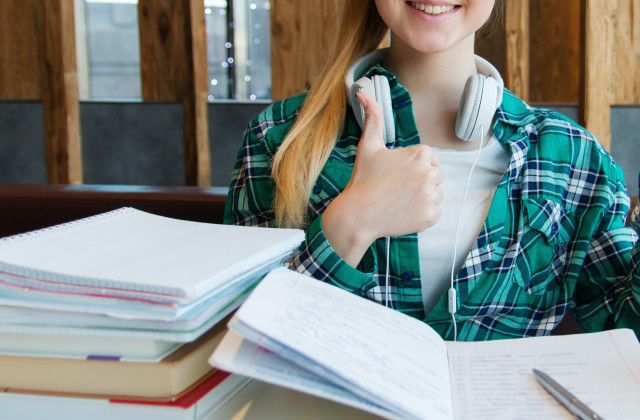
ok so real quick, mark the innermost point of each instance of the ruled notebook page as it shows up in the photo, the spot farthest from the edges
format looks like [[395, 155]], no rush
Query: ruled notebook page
[[493, 380], [235, 354], [377, 353]]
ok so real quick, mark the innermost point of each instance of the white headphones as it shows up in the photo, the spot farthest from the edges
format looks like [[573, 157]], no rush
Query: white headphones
[[481, 97]]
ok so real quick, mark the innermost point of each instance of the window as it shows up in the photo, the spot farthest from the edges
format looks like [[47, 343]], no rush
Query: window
[[108, 53], [238, 51]]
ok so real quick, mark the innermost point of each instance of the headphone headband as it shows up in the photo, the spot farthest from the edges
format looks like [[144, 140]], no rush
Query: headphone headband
[[488, 70]]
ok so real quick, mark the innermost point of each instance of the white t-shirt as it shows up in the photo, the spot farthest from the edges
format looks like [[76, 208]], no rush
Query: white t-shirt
[[435, 244]]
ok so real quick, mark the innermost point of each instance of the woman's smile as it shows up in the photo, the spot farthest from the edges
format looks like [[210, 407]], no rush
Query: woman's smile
[[433, 10]]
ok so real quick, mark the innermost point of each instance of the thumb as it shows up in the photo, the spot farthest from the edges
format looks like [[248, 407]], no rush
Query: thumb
[[372, 134]]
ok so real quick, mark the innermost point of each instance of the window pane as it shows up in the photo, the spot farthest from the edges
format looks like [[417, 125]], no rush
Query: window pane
[[218, 49], [113, 53], [238, 49], [254, 78]]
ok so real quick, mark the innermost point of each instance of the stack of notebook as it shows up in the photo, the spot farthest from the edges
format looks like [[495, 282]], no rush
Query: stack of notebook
[[123, 309]]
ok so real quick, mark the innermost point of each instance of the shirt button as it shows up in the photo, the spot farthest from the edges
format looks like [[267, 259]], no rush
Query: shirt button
[[317, 189], [554, 229], [407, 275]]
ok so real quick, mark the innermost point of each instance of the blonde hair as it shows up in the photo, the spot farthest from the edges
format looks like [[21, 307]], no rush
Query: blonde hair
[[306, 148]]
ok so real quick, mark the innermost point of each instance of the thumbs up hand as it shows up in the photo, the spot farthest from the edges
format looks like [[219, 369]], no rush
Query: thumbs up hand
[[390, 192]]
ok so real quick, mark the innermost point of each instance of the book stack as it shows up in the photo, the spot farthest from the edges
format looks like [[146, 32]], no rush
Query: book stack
[[116, 314]]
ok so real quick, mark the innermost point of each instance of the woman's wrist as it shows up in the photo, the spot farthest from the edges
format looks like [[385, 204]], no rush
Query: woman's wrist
[[343, 226]]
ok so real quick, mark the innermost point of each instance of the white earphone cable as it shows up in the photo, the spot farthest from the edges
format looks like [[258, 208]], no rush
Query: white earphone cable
[[453, 301], [387, 290]]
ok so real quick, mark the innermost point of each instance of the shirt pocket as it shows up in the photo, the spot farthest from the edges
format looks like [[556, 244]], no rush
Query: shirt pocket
[[541, 260]]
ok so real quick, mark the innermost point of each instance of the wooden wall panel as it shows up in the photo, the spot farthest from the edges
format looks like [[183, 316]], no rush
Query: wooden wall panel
[[625, 48], [517, 40], [165, 59], [555, 50], [195, 102], [599, 36], [612, 62], [173, 65], [21, 49], [60, 94], [301, 34]]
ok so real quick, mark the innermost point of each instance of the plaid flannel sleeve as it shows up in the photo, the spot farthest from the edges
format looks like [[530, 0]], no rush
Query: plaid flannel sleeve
[[250, 202], [635, 215], [251, 191], [608, 289], [317, 259]]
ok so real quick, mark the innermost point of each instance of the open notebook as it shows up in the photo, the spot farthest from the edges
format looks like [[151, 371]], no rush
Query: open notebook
[[296, 332]]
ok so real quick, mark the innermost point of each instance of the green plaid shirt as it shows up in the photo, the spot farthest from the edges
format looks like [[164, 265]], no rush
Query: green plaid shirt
[[554, 239]]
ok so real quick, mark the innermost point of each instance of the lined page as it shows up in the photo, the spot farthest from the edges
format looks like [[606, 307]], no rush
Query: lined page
[[493, 380], [378, 353], [234, 354]]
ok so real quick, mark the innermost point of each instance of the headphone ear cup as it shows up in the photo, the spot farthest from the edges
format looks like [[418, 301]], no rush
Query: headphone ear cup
[[469, 109], [363, 84], [383, 97], [480, 99], [378, 88]]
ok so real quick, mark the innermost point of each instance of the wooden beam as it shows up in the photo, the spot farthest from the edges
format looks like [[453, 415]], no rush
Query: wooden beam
[[555, 51], [517, 47], [625, 48], [60, 94], [301, 34], [21, 49], [162, 49], [195, 102], [173, 68], [612, 62], [490, 42], [598, 68]]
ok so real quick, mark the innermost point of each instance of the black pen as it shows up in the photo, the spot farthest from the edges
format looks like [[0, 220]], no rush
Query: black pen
[[564, 397]]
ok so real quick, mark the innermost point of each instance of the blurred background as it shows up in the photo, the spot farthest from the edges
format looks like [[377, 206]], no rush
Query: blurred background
[[159, 92]]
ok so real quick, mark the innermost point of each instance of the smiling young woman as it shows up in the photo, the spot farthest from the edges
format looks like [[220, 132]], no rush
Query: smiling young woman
[[450, 183]]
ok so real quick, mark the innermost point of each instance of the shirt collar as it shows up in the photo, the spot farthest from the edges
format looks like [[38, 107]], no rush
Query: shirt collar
[[511, 117], [514, 111]]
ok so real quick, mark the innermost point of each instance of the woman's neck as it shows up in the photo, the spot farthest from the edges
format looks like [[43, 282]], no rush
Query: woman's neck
[[435, 82]]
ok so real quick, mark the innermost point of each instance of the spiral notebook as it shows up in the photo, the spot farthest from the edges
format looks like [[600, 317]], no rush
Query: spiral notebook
[[129, 263]]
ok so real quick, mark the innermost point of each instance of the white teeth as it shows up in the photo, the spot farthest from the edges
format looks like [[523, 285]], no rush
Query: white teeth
[[432, 10]]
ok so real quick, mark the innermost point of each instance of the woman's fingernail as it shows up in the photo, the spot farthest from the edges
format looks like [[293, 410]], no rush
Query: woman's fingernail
[[362, 99]]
